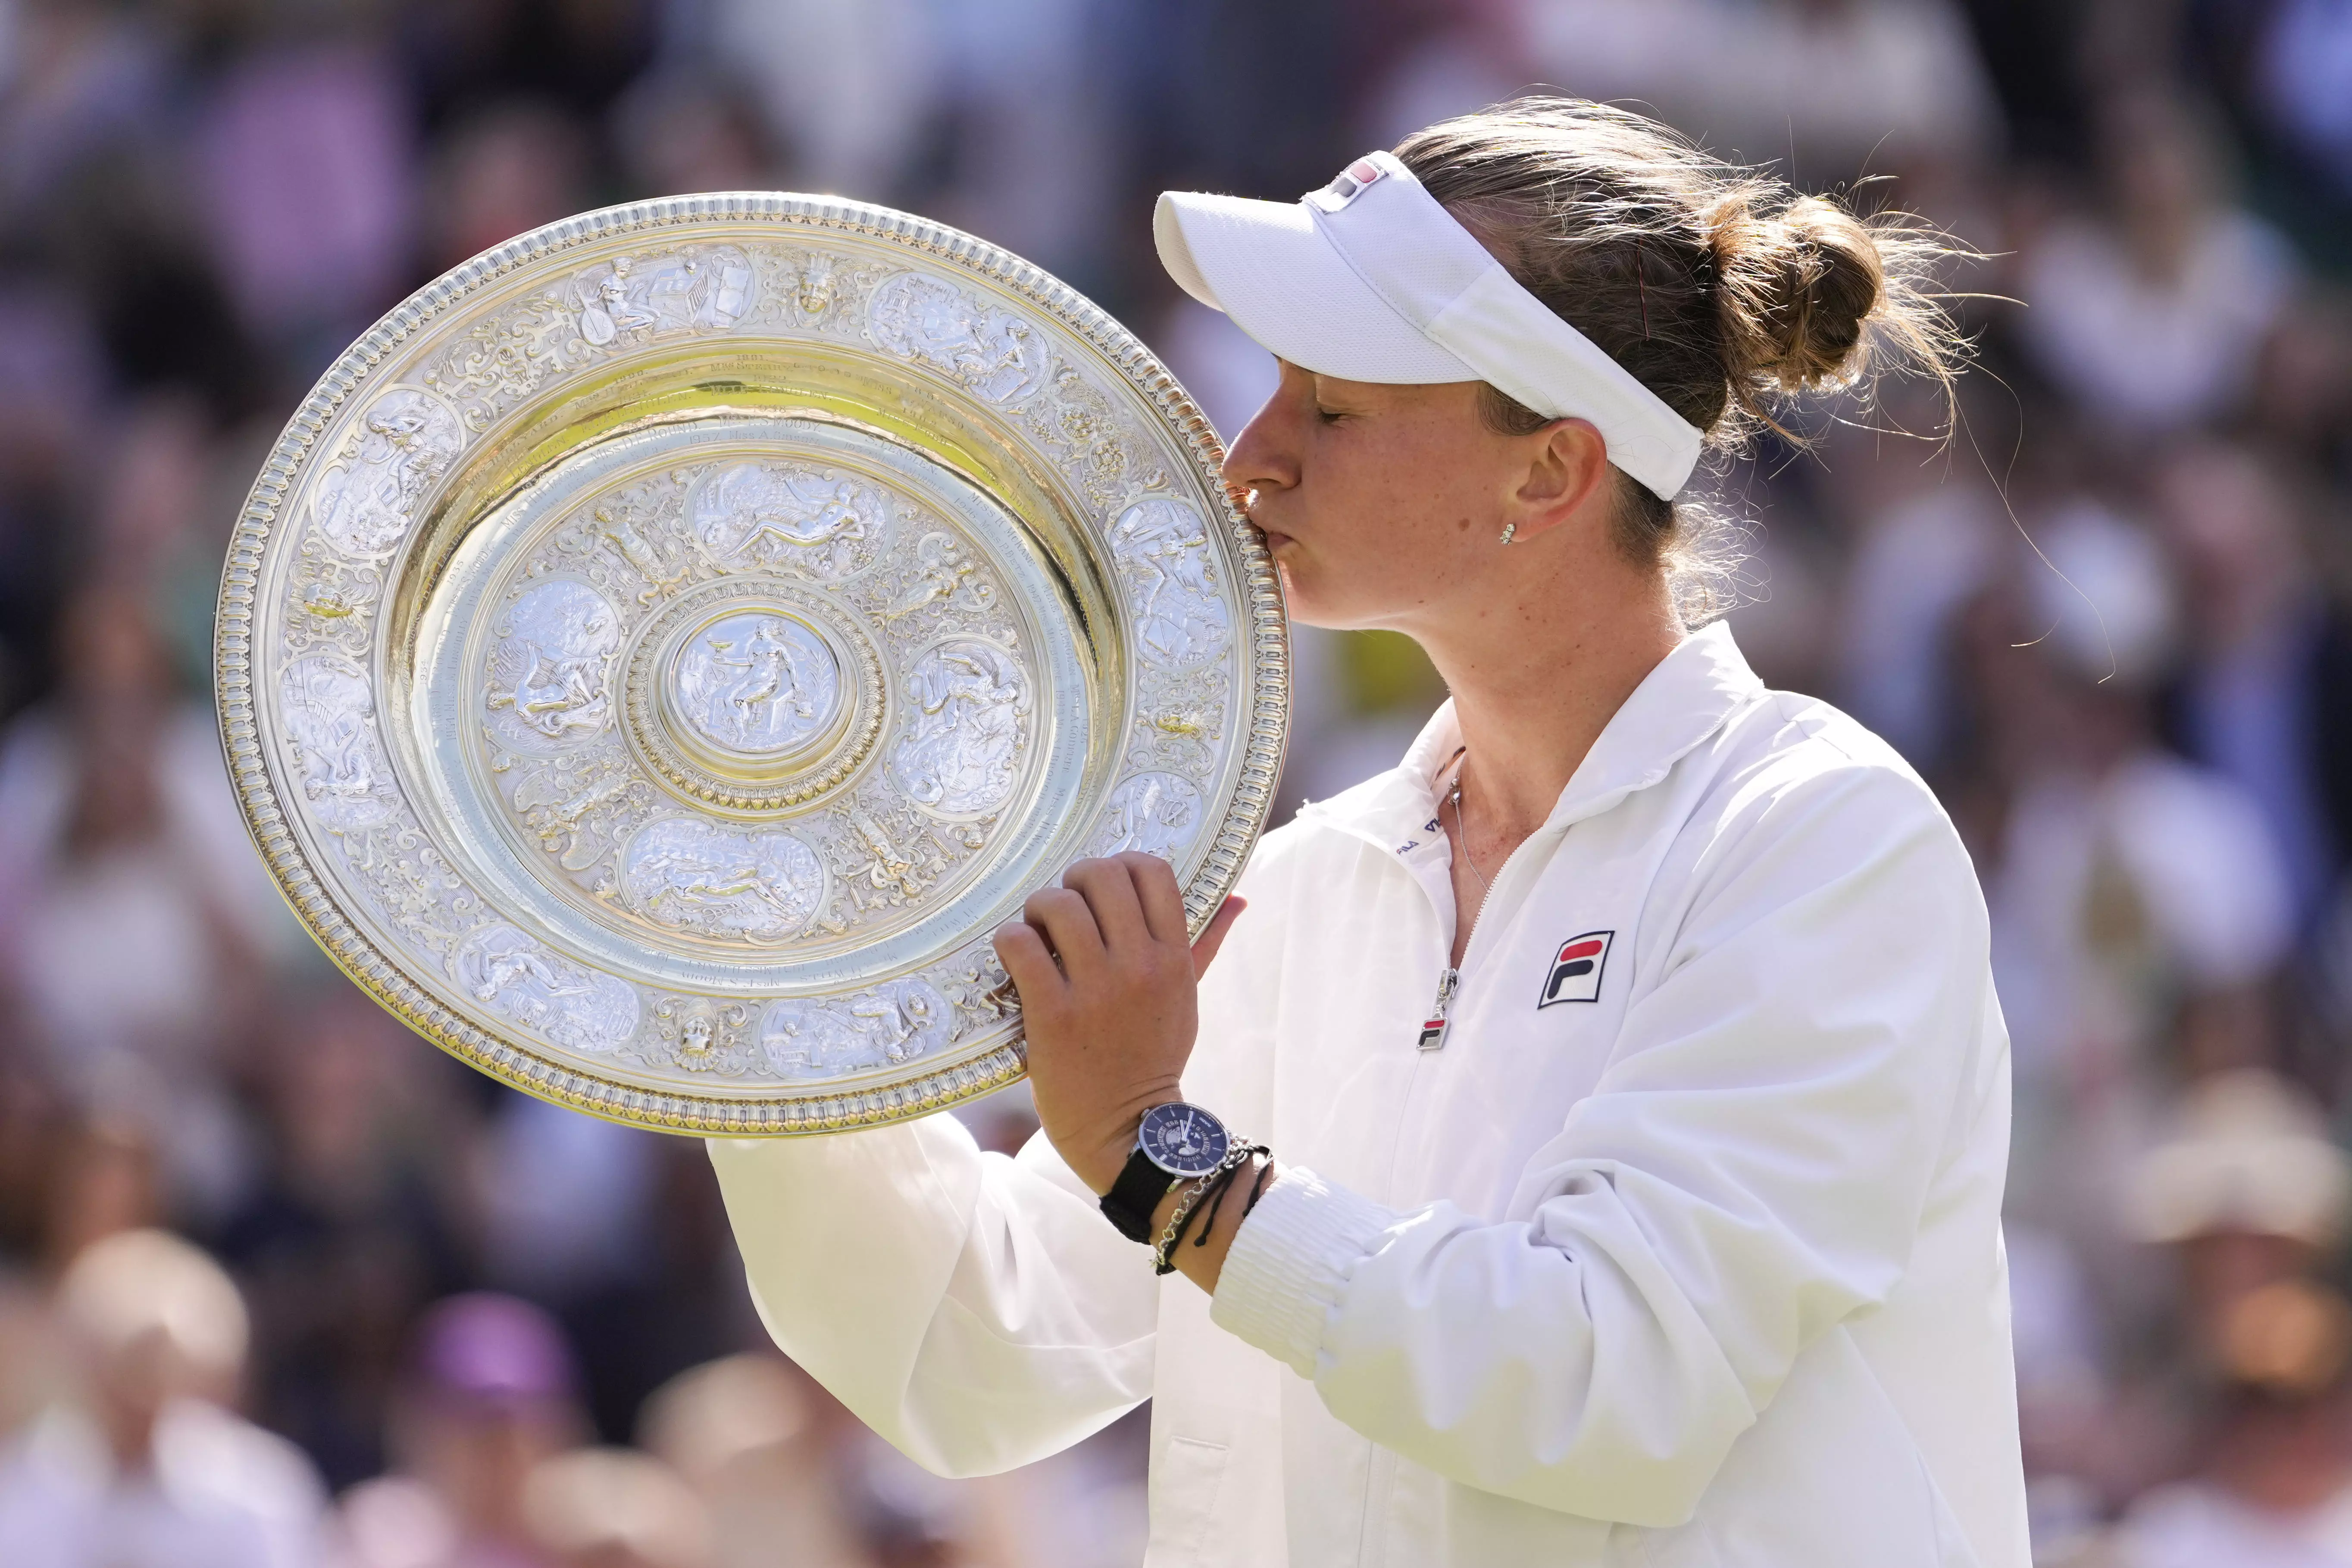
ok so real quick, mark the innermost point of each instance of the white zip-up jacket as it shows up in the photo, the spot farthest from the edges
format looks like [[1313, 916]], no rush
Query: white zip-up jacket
[[1681, 1248]]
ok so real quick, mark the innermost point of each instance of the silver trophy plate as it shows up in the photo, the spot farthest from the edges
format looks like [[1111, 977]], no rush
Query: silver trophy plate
[[659, 655]]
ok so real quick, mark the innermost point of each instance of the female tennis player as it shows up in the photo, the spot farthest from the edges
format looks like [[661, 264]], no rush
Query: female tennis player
[[1589, 1148]]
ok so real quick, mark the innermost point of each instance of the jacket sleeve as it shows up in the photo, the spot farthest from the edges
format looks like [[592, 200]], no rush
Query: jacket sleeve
[[975, 1310], [1749, 1170]]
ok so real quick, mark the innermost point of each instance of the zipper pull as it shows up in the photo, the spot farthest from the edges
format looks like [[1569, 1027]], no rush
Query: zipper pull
[[1433, 1028]]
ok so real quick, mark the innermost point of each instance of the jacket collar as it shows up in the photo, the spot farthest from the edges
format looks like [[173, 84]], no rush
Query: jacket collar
[[1687, 698]]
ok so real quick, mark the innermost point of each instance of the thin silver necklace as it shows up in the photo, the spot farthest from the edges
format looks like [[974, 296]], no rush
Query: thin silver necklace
[[1462, 827]]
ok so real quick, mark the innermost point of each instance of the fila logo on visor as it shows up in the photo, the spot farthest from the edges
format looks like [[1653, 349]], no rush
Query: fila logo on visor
[[1576, 970], [1350, 184]]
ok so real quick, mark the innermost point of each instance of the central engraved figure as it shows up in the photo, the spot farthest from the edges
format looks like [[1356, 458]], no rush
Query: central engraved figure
[[757, 683]]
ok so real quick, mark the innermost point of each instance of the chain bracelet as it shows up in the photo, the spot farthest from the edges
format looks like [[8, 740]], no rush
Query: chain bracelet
[[1240, 1151]]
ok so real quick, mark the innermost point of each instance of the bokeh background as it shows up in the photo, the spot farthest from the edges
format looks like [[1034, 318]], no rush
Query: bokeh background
[[281, 1285]]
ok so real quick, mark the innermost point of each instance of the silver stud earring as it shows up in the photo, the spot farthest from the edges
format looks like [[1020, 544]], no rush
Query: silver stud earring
[[1508, 529]]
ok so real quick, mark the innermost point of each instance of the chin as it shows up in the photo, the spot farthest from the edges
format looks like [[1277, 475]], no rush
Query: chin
[[1305, 609]]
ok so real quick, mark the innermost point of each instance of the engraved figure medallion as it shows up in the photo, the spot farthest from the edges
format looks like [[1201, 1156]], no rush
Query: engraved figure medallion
[[962, 752], [757, 513], [404, 443], [722, 882], [757, 683], [551, 671], [1161, 547], [995, 352], [328, 704], [663, 296], [891, 1023], [502, 968], [1155, 812]]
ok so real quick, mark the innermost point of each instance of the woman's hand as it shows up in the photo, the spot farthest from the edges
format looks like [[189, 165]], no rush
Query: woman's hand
[[1111, 1025]]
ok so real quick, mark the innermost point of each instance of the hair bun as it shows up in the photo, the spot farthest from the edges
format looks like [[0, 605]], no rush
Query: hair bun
[[1795, 290]]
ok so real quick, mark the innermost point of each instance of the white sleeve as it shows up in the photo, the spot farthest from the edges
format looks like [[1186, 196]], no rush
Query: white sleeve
[[1749, 1169], [975, 1310]]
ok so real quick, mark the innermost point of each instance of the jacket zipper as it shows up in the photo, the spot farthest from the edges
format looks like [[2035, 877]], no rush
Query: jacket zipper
[[1433, 1028], [1440, 1021]]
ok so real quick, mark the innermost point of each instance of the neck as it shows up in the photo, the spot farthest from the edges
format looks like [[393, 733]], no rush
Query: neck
[[1534, 682]]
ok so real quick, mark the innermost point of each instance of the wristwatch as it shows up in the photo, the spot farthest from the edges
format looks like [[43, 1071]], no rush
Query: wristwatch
[[1175, 1143]]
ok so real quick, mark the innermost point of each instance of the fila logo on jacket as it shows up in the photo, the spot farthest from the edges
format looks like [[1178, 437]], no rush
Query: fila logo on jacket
[[1576, 970]]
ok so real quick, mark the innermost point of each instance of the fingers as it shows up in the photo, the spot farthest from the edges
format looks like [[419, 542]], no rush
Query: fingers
[[1212, 936], [1109, 890], [1030, 963], [1068, 925], [1162, 900]]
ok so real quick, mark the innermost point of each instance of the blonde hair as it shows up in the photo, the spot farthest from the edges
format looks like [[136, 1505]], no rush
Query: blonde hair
[[1723, 290]]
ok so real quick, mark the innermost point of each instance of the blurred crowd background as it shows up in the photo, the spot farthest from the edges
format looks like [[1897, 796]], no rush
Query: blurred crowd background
[[281, 1286]]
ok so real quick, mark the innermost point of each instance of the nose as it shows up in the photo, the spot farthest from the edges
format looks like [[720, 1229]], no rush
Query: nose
[[1263, 457]]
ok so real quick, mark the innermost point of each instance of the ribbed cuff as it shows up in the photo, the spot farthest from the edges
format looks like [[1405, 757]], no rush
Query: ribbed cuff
[[1290, 1261]]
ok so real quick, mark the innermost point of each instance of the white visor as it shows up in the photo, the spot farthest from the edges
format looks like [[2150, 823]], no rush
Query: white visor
[[1370, 279]]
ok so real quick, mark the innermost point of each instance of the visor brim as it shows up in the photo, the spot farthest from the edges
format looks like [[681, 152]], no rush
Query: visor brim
[[1268, 267]]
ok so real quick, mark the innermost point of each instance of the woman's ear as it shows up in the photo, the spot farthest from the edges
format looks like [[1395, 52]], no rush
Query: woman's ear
[[1567, 464]]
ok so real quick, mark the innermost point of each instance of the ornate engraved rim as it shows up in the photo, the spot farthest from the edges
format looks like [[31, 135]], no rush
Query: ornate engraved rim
[[348, 944]]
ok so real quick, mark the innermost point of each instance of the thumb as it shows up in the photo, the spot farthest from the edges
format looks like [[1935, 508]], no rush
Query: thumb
[[1212, 936]]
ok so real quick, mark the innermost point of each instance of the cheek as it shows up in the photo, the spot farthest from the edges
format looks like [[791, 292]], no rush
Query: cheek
[[1390, 494], [1387, 536]]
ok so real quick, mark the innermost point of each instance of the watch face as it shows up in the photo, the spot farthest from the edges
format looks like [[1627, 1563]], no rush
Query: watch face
[[1182, 1140]]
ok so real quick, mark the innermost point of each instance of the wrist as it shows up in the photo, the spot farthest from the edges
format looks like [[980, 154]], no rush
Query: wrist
[[1098, 1160]]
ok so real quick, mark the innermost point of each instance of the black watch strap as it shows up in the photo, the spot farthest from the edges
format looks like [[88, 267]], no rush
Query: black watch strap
[[1132, 1197]]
